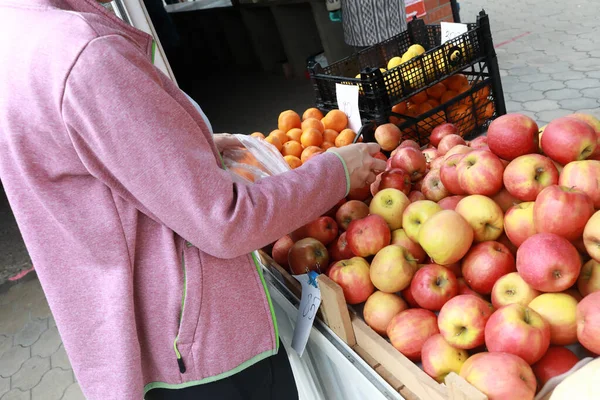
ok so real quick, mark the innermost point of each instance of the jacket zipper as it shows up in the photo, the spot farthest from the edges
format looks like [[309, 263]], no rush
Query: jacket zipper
[[180, 362]]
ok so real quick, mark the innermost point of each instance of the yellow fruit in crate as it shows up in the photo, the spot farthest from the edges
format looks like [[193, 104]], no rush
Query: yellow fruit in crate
[[435, 64], [417, 48], [394, 62], [414, 77], [409, 55]]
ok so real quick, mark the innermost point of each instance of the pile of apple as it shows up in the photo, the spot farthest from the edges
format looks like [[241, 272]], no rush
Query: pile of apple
[[479, 258]]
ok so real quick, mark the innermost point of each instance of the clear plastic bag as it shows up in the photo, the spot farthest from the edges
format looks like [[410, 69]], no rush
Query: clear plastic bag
[[254, 161]]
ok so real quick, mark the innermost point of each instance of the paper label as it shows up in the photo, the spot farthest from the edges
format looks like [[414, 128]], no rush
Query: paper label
[[450, 30], [309, 304], [347, 99]]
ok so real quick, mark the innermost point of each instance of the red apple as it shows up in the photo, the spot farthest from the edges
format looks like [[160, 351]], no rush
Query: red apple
[[410, 329], [418, 185], [462, 321], [331, 213], [513, 135], [518, 223], [526, 176], [479, 142], [505, 241], [449, 174], [433, 189], [361, 194], [280, 251], [449, 203], [485, 263], [589, 278], [400, 238], [412, 161], [458, 150], [308, 255], [505, 200], [350, 211], [396, 179], [562, 211], [415, 195], [432, 286], [407, 143], [591, 236], [568, 139], [339, 249], [324, 229], [463, 288], [380, 156], [448, 142], [594, 123], [388, 136], [480, 172], [518, 330], [439, 358], [588, 322], [353, 277], [454, 268], [555, 362], [548, 262], [584, 176], [436, 164], [500, 376], [446, 236], [368, 235], [392, 269], [407, 295], [441, 131], [380, 308]]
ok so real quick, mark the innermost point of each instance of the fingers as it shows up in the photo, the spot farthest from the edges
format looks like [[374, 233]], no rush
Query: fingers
[[373, 148], [370, 178], [378, 165]]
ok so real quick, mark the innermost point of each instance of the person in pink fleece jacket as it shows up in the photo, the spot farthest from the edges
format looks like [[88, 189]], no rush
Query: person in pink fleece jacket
[[141, 240]]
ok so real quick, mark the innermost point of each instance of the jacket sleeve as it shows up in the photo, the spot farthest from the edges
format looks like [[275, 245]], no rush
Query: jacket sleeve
[[137, 133]]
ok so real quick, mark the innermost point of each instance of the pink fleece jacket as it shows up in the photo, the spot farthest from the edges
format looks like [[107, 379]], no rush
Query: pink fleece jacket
[[140, 240]]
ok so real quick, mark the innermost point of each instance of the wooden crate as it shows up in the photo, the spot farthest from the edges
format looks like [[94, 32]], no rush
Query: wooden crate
[[397, 370]]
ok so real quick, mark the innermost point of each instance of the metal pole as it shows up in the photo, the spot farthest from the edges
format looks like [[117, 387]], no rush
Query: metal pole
[[455, 10]]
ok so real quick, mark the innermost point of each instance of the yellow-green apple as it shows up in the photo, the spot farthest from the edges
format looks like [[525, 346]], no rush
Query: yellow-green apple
[[380, 308], [589, 278], [339, 250], [563, 211], [518, 223], [388, 136], [432, 286], [500, 376], [548, 262], [407, 295], [480, 172], [360, 194], [463, 288], [450, 203], [406, 143], [560, 311], [588, 322], [526, 176], [410, 160], [540, 134], [415, 215], [568, 139], [367, 236], [350, 211], [280, 251], [555, 362], [400, 238], [446, 237], [308, 255], [390, 204], [512, 289], [449, 174], [513, 135], [416, 195], [509, 245], [462, 321], [483, 215], [433, 189], [436, 164], [485, 263], [439, 358], [480, 142], [461, 149], [392, 269], [324, 229], [448, 142], [584, 176], [410, 329], [440, 131], [430, 155], [353, 277], [394, 178], [591, 236], [518, 330], [504, 199]]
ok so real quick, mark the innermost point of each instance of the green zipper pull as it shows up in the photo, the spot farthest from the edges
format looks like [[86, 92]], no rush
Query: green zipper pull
[[180, 362]]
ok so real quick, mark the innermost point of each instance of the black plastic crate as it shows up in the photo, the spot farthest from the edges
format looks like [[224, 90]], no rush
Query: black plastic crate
[[379, 91]]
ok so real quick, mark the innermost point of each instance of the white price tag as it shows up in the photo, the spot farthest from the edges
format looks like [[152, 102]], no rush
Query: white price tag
[[450, 30], [347, 99], [309, 304]]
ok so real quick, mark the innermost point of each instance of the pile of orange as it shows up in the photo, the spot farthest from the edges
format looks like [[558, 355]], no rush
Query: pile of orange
[[301, 138], [461, 114]]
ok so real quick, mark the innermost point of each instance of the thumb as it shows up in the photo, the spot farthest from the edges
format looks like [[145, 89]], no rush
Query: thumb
[[373, 148]]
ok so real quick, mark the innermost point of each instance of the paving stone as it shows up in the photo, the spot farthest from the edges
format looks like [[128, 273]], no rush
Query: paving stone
[[529, 95], [593, 93], [534, 78], [562, 94], [555, 68], [51, 322], [547, 85], [513, 106], [587, 64], [60, 359], [523, 71], [4, 386], [53, 385], [13, 294], [40, 309], [5, 344], [16, 394], [544, 117], [593, 74], [541, 105], [33, 294], [47, 344], [583, 83], [12, 320], [569, 75], [515, 86], [11, 361], [30, 332], [73, 393], [30, 373], [578, 104]]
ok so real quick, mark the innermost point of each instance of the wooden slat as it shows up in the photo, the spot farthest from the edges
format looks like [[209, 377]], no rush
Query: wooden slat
[[460, 389], [335, 309], [415, 380]]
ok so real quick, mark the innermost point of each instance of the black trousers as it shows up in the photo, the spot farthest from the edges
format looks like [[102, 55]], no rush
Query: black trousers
[[270, 378]]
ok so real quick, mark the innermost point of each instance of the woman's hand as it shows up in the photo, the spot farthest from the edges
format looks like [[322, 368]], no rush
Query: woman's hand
[[362, 166], [226, 141]]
